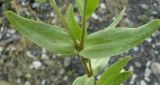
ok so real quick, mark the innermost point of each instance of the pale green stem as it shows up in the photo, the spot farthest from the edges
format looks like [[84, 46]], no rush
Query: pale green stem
[[90, 67], [84, 28], [83, 36], [83, 60]]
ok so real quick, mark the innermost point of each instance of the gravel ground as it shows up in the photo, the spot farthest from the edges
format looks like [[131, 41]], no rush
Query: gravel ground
[[24, 63]]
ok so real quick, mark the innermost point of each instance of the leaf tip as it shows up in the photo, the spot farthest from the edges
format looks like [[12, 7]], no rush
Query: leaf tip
[[128, 58], [7, 13]]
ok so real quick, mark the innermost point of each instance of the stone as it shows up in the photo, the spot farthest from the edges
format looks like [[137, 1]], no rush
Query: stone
[[144, 6], [27, 83], [142, 82], [102, 5], [149, 40], [35, 5], [133, 79], [147, 74], [137, 64], [135, 49], [95, 16], [155, 68], [67, 62], [37, 64]]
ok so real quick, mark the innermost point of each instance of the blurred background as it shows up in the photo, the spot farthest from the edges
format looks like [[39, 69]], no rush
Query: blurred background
[[24, 63]]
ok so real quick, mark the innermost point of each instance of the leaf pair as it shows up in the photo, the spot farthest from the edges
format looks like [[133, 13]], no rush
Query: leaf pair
[[108, 42], [99, 44]]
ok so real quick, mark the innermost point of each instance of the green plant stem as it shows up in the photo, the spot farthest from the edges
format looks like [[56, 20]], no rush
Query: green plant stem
[[90, 67], [83, 60], [84, 28], [64, 22], [87, 65]]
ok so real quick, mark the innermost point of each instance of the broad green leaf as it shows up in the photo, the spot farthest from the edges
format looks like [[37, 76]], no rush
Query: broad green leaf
[[73, 25], [84, 80], [117, 20], [99, 64], [115, 41], [121, 78], [113, 71], [50, 37], [91, 6]]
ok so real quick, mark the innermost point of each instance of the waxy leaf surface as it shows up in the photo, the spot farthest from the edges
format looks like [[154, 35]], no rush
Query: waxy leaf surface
[[91, 6], [50, 37], [121, 78], [115, 41], [98, 64], [110, 75], [73, 25], [84, 80]]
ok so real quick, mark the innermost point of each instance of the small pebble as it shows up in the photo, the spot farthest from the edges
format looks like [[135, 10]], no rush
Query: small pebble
[[155, 67], [95, 16], [131, 68], [0, 36], [102, 5], [137, 64], [148, 64], [67, 62], [28, 53], [147, 74], [142, 82], [135, 49], [144, 6], [133, 79], [27, 83], [37, 64], [28, 75], [11, 31], [1, 49], [35, 5], [149, 40], [52, 14]]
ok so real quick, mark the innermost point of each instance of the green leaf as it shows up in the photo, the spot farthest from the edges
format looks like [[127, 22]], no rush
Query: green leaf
[[121, 78], [50, 37], [115, 41], [99, 64], [84, 80], [73, 25], [91, 6], [113, 71], [117, 20], [80, 5], [90, 81]]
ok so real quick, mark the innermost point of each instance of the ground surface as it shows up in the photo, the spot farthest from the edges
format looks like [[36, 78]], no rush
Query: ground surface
[[24, 63]]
